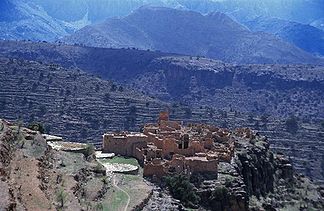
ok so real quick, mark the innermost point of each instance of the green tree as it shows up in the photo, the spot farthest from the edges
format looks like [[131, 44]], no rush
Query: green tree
[[322, 124]]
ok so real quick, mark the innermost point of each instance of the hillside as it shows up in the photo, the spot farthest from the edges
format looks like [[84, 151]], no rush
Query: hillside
[[304, 36], [73, 104], [214, 35], [261, 89], [36, 177]]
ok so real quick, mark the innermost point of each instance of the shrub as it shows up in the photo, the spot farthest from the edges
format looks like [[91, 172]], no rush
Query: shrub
[[89, 150], [36, 126], [220, 194]]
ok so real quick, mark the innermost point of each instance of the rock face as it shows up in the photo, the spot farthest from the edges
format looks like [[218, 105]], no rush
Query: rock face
[[261, 174], [256, 165], [214, 35]]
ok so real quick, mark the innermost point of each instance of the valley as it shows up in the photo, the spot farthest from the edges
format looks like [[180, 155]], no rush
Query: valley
[[78, 106], [156, 105]]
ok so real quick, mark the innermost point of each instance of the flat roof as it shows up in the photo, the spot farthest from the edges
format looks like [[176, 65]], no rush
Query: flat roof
[[121, 135]]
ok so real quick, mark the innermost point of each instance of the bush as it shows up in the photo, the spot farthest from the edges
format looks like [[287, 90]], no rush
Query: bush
[[89, 150], [181, 188], [220, 194], [36, 126]]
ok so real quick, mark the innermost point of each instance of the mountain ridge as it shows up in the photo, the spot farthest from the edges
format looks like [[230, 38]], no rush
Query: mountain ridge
[[190, 33], [306, 37]]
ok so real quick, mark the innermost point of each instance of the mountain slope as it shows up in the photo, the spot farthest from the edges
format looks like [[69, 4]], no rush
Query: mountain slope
[[306, 37], [72, 101], [214, 35], [21, 20]]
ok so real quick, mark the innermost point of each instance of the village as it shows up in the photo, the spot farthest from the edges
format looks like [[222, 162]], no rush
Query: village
[[169, 147]]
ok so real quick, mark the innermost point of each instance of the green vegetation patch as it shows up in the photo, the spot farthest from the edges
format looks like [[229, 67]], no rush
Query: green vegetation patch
[[121, 160]]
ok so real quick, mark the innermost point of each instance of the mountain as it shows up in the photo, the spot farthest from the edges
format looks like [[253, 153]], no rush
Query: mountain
[[24, 20], [49, 20], [214, 35], [306, 37], [302, 11], [318, 23], [99, 10]]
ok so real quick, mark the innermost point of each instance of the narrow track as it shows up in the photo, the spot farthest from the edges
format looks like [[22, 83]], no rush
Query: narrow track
[[116, 186]]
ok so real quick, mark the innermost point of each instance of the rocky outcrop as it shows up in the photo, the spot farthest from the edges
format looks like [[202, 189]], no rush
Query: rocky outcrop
[[256, 165], [258, 179]]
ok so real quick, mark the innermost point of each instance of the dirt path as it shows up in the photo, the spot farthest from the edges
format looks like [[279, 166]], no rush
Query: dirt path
[[116, 186]]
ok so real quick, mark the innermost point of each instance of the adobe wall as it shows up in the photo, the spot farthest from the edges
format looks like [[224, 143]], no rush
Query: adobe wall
[[154, 168], [208, 143], [155, 140], [169, 146], [177, 163], [114, 145], [123, 145], [201, 166]]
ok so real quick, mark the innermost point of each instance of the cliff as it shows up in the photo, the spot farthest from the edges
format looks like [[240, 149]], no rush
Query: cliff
[[256, 179]]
